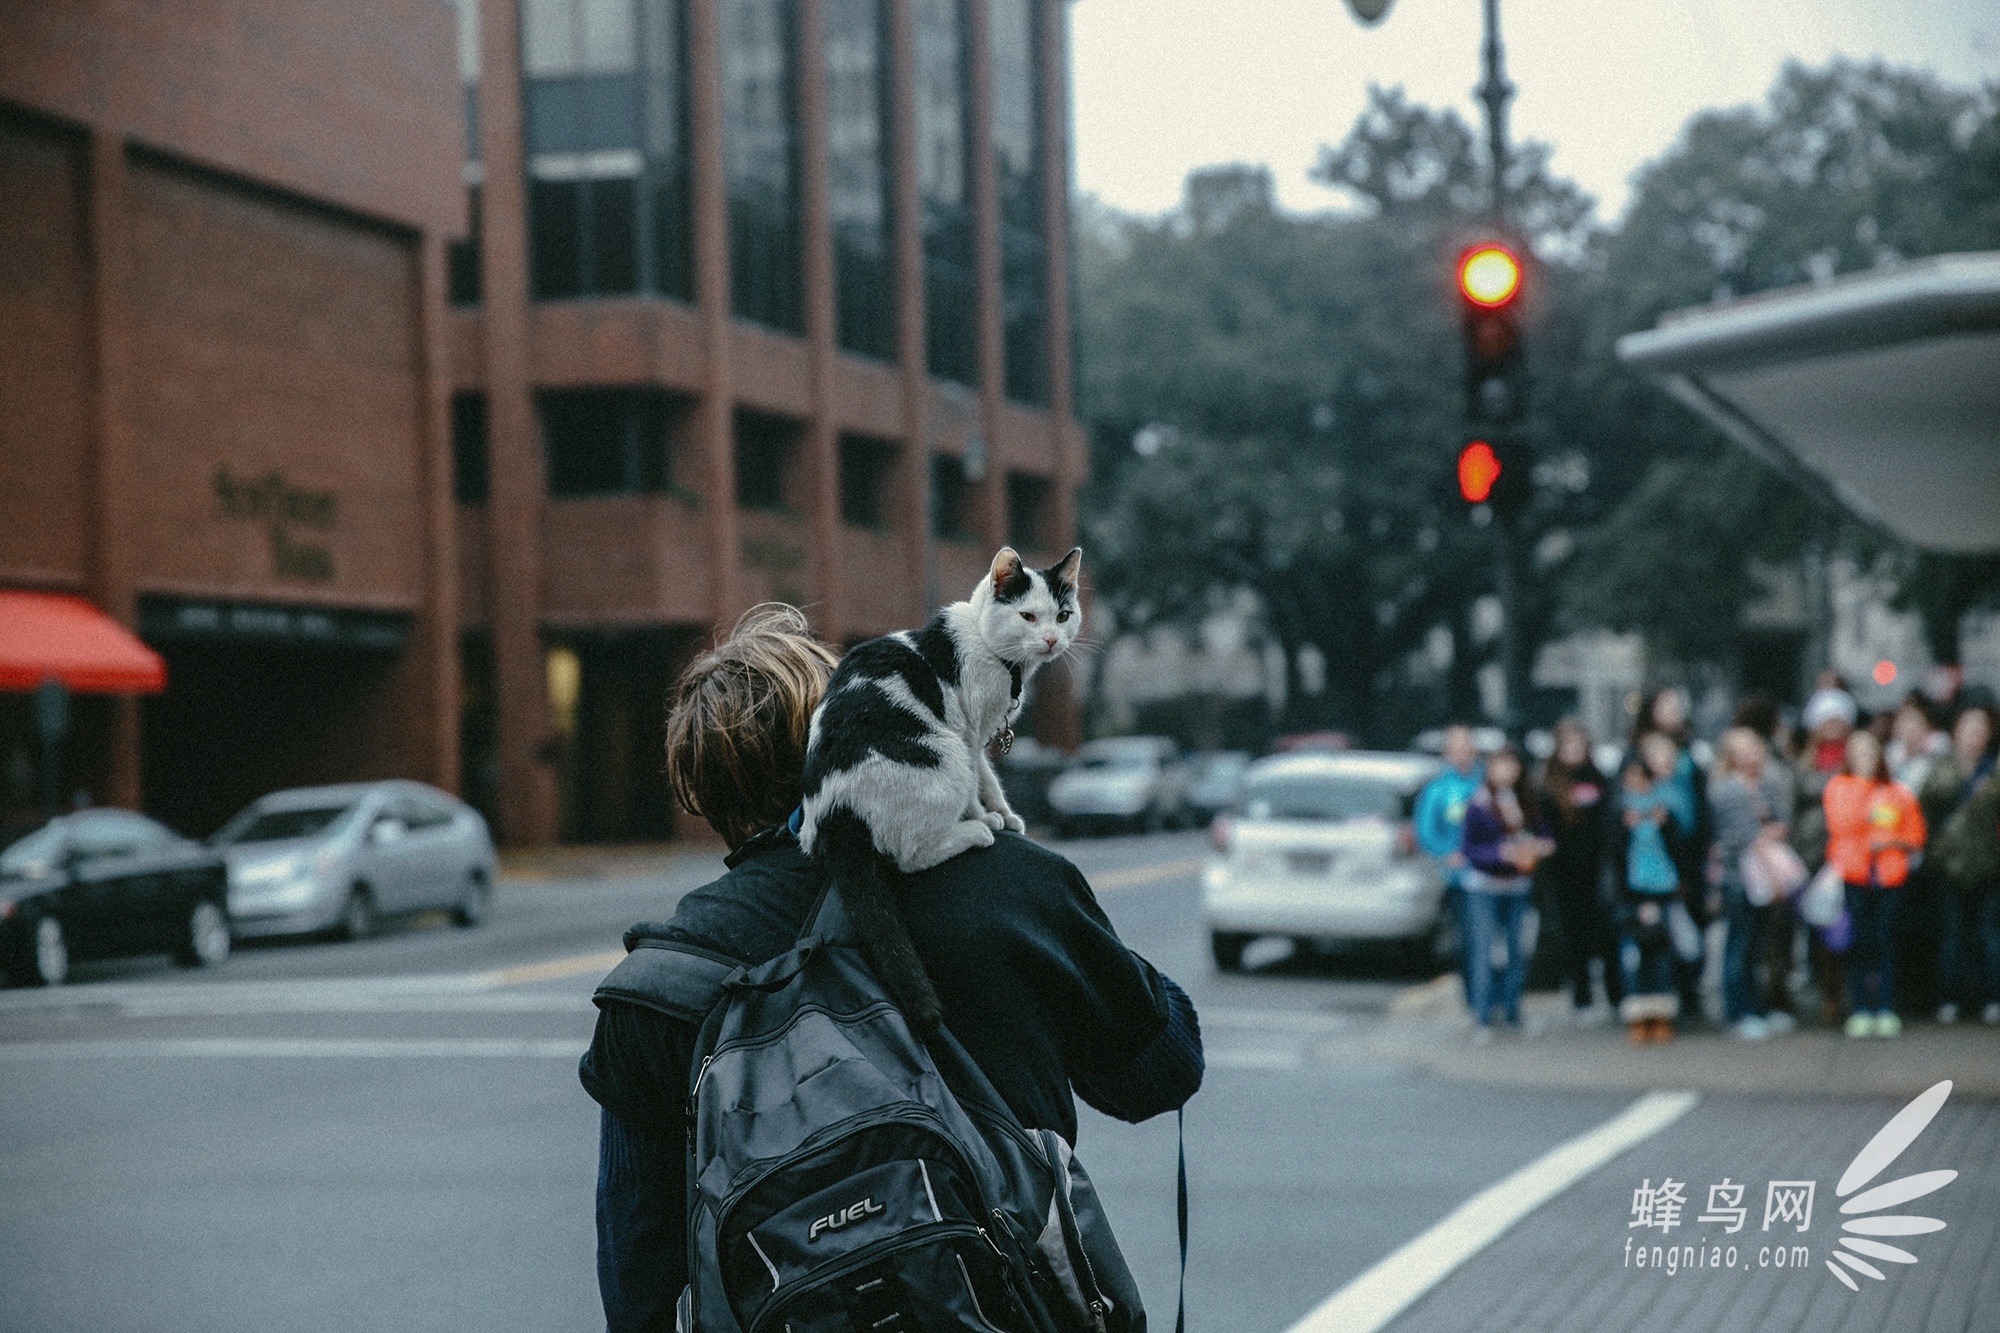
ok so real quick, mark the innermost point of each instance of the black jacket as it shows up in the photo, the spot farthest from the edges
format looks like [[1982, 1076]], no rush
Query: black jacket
[[1035, 984]]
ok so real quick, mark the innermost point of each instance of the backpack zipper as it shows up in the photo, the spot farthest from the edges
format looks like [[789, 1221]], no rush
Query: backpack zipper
[[861, 1258]]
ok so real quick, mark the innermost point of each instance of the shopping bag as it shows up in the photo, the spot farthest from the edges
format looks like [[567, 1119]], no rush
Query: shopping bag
[[1825, 899]]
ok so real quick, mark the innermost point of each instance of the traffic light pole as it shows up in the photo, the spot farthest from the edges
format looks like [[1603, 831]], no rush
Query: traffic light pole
[[1494, 92]]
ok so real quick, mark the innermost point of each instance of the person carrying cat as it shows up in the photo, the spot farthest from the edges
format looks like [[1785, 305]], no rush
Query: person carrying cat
[[1028, 973]]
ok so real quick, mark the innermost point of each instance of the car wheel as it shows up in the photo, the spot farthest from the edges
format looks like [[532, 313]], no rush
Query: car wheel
[[475, 902], [45, 960], [1228, 946], [204, 938], [357, 918]]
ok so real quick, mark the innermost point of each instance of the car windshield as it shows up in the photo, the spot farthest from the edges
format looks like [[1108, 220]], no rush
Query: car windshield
[[1330, 798], [33, 855], [1101, 756], [278, 825]]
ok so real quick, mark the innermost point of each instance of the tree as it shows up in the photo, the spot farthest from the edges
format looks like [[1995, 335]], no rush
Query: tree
[[1842, 169]]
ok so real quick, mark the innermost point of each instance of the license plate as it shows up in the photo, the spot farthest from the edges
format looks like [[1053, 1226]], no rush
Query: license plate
[[1309, 863]]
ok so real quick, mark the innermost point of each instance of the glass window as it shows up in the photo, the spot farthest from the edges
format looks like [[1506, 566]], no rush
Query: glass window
[[1028, 499], [765, 448], [857, 133], [951, 498], [1325, 798], [462, 254], [114, 833], [604, 104], [866, 466], [608, 441], [944, 187], [281, 825], [468, 448], [760, 146], [1018, 172]]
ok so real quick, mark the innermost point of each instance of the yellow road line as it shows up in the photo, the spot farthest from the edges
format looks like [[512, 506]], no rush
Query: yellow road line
[[1137, 875], [556, 968]]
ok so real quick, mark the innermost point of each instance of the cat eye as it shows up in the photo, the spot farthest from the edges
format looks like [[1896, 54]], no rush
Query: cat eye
[[1061, 616], [1028, 616]]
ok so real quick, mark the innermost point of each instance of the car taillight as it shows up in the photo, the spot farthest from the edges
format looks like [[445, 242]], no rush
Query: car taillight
[[1220, 833], [1406, 840]]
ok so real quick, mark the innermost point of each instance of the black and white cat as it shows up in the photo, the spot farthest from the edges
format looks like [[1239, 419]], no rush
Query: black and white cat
[[896, 763]]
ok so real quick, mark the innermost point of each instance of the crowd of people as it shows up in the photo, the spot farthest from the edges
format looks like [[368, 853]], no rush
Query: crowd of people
[[1817, 867]]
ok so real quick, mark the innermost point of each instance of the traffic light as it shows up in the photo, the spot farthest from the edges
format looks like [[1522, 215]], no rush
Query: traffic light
[[1490, 470], [1478, 469]]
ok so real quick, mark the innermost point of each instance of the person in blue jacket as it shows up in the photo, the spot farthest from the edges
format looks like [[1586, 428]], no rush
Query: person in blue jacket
[[1440, 828]]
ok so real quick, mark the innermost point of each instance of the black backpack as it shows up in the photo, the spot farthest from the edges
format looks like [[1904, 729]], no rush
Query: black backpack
[[845, 1176]]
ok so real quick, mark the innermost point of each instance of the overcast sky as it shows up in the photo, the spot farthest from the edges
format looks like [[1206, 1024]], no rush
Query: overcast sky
[[1164, 86]]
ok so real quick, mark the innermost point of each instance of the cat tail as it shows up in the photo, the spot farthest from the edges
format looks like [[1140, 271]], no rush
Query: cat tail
[[847, 849]]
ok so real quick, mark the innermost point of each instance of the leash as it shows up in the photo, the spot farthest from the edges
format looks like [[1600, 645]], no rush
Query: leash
[[1180, 1131]]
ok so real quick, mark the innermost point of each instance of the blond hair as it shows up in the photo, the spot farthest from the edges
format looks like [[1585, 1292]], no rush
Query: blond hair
[[736, 736]]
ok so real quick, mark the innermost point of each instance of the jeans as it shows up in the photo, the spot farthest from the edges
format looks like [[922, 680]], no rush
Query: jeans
[[1743, 948], [1969, 959], [1646, 954], [1871, 959], [1490, 917]]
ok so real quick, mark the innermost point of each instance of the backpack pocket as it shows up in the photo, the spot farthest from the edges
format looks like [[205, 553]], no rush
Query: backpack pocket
[[880, 1219]]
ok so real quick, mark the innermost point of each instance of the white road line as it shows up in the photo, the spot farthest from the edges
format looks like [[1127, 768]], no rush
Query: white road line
[[1370, 1301], [1254, 1059], [307, 1048]]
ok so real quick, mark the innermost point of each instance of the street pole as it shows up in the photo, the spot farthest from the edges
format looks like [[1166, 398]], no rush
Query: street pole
[[1494, 92]]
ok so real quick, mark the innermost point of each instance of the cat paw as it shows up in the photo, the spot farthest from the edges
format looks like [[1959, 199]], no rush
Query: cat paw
[[1013, 823], [993, 820]]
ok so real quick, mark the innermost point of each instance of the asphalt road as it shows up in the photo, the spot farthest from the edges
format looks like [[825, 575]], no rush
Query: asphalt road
[[390, 1134]]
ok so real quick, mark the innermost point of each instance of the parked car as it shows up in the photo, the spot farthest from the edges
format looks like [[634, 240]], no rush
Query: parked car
[[1026, 771], [339, 859], [1135, 782], [1320, 848], [1217, 781], [103, 884]]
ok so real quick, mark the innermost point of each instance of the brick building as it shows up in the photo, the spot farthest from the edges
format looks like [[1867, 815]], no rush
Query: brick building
[[426, 426]]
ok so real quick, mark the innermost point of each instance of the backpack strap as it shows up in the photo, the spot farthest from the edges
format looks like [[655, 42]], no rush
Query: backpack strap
[[679, 980]]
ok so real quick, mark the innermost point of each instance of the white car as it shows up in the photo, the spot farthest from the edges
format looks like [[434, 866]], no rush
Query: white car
[[1129, 782], [1320, 847], [338, 859]]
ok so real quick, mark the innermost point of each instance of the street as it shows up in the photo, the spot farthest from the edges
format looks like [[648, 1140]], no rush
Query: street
[[390, 1134]]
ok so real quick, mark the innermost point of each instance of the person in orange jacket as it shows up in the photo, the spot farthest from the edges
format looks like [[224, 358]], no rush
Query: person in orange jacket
[[1874, 834]]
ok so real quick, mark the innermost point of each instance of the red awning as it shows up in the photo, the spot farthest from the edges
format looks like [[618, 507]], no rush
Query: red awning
[[45, 634]]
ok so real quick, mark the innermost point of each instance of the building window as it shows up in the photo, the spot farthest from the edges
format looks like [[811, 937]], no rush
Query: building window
[[951, 499], [944, 187], [760, 150], [604, 90], [866, 468], [462, 254], [468, 448], [857, 132], [765, 448], [1017, 154], [1028, 500], [608, 441]]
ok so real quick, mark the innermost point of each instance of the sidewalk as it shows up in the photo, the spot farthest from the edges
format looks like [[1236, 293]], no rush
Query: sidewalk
[[1428, 1028]]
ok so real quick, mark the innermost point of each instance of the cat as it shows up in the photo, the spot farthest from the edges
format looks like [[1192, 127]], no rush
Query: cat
[[896, 763]]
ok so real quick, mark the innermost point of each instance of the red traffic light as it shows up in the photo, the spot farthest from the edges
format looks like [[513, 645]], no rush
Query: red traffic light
[[1489, 275], [1478, 469]]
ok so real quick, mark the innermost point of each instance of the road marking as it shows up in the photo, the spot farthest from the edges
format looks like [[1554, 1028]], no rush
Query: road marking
[[1371, 1300], [554, 968], [1226, 1058], [1132, 878], [1309, 1021], [309, 1048]]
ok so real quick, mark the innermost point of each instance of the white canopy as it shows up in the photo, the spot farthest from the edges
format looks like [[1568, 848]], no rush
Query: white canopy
[[1879, 390]]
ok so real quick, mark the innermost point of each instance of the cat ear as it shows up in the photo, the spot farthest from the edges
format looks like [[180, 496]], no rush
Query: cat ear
[[1064, 571], [1006, 574]]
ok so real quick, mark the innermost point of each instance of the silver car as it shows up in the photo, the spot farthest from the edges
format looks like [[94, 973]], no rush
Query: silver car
[[338, 859], [1132, 782], [1319, 847]]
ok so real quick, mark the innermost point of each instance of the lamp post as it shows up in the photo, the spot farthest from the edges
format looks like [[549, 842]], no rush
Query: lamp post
[[1494, 92]]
